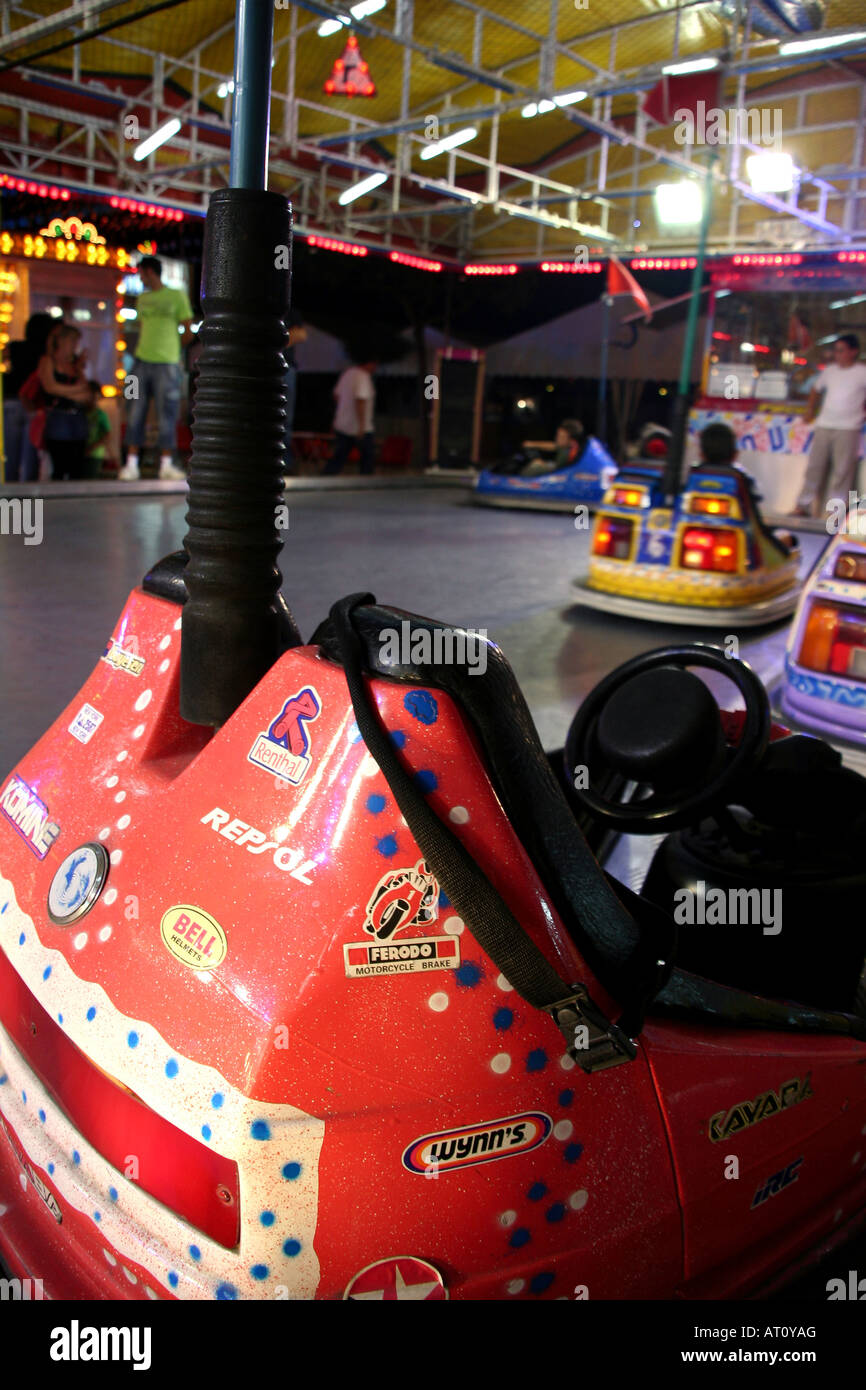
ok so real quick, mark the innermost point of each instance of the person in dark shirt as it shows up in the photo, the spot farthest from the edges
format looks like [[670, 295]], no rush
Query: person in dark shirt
[[22, 355]]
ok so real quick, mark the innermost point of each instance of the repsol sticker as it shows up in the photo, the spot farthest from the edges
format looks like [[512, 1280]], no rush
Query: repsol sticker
[[405, 957], [121, 660], [194, 937], [484, 1143]]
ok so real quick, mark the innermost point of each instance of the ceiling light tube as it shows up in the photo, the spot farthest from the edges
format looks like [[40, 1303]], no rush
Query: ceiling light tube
[[814, 45], [449, 142], [159, 137], [692, 65], [357, 190]]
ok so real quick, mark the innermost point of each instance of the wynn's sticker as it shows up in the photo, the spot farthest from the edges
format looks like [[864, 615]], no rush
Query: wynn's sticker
[[407, 957], [29, 815], [402, 898], [85, 723], [285, 749], [484, 1143], [194, 937], [122, 660]]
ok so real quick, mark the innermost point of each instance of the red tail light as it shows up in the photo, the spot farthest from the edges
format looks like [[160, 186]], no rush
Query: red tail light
[[714, 550], [834, 641], [612, 538], [199, 1185]]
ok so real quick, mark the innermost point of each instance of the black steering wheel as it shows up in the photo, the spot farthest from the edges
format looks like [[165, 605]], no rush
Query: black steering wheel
[[655, 723]]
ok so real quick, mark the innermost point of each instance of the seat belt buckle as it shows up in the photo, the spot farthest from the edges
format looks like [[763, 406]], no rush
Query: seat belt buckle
[[593, 1040]]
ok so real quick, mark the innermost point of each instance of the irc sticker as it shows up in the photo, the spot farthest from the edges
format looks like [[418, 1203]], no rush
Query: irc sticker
[[194, 937]]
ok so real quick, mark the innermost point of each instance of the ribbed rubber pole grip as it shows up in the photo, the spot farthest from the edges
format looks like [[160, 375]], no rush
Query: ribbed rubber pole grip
[[235, 622]]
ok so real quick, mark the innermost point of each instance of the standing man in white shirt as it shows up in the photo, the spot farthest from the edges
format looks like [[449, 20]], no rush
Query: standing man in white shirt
[[836, 441], [353, 421]]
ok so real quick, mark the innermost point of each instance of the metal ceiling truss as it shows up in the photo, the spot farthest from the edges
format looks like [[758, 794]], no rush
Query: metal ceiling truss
[[317, 164]]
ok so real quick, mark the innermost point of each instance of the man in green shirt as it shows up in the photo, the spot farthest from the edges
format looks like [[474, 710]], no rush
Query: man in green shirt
[[162, 313]]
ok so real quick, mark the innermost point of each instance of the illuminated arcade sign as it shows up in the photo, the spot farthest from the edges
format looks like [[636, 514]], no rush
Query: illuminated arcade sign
[[73, 229], [58, 248]]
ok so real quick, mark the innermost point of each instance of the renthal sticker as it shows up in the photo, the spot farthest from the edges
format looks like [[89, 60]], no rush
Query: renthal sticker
[[462, 1148], [403, 898], [20, 804], [44, 1192], [194, 937], [85, 723], [777, 1183], [285, 749], [409, 957], [290, 861], [751, 1112], [122, 660]]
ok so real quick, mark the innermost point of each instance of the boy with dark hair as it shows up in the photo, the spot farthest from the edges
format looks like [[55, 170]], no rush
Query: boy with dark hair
[[568, 443], [718, 446]]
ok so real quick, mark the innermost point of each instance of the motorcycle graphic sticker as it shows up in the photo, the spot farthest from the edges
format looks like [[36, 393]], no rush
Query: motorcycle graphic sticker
[[402, 898], [284, 750]]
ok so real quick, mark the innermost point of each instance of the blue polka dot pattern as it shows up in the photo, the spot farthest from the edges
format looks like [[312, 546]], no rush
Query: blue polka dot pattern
[[260, 1129], [217, 1099], [375, 803], [422, 706], [46, 972], [537, 1191], [112, 1192], [59, 1018], [267, 1218], [22, 938], [519, 1238], [132, 1040], [172, 1279], [291, 1247], [42, 1116], [259, 1271], [226, 1291], [444, 900], [205, 1132], [398, 738], [97, 1216], [468, 974], [76, 1157], [171, 1068], [387, 846], [426, 780], [503, 1019], [91, 1014], [195, 1252], [291, 1171], [572, 1152], [556, 1212], [537, 1060], [51, 1168], [566, 1097], [540, 1283]]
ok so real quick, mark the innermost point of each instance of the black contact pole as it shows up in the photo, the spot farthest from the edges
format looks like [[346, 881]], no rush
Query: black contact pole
[[235, 622]]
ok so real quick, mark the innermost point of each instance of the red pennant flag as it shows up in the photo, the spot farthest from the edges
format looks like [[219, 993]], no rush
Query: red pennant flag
[[674, 94], [350, 76], [621, 281]]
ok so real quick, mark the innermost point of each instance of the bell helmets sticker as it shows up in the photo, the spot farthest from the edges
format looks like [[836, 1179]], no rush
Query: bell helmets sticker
[[284, 750], [471, 1144], [402, 1278], [194, 937]]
